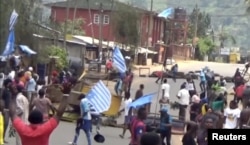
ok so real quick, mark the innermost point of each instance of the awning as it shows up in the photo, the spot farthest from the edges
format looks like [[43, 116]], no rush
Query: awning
[[27, 50]]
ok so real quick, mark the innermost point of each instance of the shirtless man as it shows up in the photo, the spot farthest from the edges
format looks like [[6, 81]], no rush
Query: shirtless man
[[245, 116]]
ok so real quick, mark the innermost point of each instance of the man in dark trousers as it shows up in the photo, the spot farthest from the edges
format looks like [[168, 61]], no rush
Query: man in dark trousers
[[165, 126]]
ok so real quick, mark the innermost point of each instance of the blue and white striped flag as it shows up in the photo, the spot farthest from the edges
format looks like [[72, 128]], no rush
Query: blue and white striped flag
[[100, 97], [13, 20], [10, 45], [142, 100], [119, 61]]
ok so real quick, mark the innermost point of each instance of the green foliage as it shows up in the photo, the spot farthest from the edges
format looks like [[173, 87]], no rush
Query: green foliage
[[206, 46], [203, 23], [54, 51], [125, 22], [74, 27], [29, 13], [225, 36]]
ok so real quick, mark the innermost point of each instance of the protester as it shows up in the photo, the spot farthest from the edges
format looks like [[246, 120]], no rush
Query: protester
[[42, 104], [195, 108], [246, 95], [232, 116], [127, 113], [245, 116], [184, 99], [165, 126], [174, 71], [150, 139], [138, 127], [239, 92], [1, 82], [139, 92], [86, 123], [202, 133], [22, 109], [109, 66], [165, 87], [191, 86], [30, 86], [6, 100], [190, 135], [131, 78], [160, 76], [118, 87], [126, 81], [202, 80], [37, 132], [1, 123]]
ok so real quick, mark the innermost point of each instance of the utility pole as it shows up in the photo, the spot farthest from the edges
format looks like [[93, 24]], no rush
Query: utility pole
[[91, 20], [149, 26], [66, 25], [100, 36], [196, 20], [74, 17]]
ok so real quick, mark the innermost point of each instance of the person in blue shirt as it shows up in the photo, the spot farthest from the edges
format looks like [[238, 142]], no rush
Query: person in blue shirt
[[202, 80], [85, 118], [165, 126]]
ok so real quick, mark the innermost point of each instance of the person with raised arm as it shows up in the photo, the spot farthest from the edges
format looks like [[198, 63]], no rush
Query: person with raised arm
[[38, 132]]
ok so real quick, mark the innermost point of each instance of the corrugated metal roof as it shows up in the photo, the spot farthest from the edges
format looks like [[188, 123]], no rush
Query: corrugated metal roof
[[93, 4]]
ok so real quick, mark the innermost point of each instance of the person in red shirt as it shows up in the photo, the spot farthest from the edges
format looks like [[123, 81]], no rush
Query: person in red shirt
[[138, 127], [109, 65], [37, 132], [239, 92]]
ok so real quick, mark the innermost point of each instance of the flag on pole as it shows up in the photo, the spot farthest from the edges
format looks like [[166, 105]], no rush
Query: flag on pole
[[100, 97], [142, 101], [13, 20], [119, 61], [10, 45], [9, 48], [167, 13]]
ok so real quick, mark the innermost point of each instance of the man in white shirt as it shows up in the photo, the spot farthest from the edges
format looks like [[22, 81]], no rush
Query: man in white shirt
[[22, 109], [127, 113], [184, 99], [232, 116], [165, 87]]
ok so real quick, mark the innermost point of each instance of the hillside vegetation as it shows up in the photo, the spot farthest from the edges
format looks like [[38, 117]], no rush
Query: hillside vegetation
[[231, 14]]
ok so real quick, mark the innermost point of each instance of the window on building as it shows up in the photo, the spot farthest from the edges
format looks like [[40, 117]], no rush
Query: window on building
[[96, 19], [106, 19]]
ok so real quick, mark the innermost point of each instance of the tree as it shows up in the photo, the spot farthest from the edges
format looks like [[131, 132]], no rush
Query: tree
[[224, 36], [74, 27], [29, 14], [248, 5], [125, 22], [55, 51], [203, 23], [206, 46]]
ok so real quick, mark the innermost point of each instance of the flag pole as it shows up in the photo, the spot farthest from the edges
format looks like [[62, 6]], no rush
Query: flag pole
[[159, 86]]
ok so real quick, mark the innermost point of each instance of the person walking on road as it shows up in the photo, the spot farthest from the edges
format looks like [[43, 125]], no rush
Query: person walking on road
[[127, 113], [165, 87], [184, 99]]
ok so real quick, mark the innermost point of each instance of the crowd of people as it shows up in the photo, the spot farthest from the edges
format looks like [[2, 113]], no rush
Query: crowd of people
[[25, 102], [207, 105]]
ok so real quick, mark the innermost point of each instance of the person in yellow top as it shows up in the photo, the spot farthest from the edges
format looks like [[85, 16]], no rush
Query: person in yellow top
[[1, 123]]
